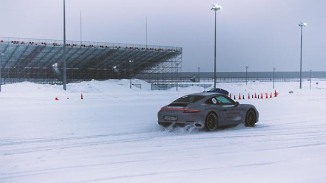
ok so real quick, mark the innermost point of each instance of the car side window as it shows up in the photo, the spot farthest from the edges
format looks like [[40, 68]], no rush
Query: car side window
[[224, 100], [212, 101], [220, 100]]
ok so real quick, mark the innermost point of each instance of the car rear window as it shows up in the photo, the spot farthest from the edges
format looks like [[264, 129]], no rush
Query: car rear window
[[189, 99]]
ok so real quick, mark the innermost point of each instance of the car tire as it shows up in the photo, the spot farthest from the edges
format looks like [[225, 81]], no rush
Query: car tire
[[211, 122], [250, 118]]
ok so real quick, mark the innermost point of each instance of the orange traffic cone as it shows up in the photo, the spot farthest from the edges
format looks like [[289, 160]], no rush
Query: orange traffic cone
[[248, 96], [275, 93], [255, 95], [56, 98], [266, 95], [261, 96], [271, 96], [239, 96]]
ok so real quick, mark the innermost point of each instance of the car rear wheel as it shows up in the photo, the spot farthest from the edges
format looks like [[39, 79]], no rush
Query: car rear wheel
[[211, 122], [250, 118]]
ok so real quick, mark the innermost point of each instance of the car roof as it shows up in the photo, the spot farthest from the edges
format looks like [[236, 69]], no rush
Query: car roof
[[206, 94]]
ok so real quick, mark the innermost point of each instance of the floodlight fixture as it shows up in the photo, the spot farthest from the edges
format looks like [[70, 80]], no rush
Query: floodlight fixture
[[303, 24], [216, 7]]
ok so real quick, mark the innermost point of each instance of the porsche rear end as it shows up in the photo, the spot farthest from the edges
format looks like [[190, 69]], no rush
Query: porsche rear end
[[180, 114]]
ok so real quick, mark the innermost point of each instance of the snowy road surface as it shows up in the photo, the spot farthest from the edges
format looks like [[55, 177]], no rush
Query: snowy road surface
[[112, 136]]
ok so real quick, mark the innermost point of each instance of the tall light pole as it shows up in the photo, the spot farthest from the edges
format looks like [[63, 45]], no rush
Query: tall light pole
[[247, 75], [310, 79], [302, 24], [198, 74], [64, 47], [130, 67], [80, 28], [215, 8], [2, 54], [273, 77], [146, 31], [177, 64]]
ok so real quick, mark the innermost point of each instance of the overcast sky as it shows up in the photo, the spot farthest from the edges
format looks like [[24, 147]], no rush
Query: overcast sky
[[260, 34]]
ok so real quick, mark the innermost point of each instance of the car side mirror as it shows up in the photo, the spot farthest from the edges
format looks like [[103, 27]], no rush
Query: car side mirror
[[236, 104]]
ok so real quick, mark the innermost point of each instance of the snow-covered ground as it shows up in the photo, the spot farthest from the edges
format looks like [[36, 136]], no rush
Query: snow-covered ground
[[112, 136]]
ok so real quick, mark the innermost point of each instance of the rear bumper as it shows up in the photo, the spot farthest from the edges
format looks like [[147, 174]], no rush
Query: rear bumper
[[171, 118], [196, 124]]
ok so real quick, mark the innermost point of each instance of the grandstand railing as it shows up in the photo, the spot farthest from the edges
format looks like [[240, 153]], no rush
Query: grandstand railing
[[89, 44]]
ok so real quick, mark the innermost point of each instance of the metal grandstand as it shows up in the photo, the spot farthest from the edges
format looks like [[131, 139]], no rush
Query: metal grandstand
[[41, 61]]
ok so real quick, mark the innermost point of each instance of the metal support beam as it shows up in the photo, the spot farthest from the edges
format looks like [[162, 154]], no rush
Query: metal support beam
[[64, 47]]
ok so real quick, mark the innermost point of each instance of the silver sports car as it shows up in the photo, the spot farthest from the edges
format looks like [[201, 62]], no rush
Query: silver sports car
[[207, 110]]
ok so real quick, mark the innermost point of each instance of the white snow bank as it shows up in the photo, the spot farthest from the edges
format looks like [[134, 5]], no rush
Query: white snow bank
[[112, 136]]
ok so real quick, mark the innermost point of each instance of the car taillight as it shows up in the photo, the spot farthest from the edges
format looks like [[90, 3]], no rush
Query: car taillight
[[191, 111], [163, 108]]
